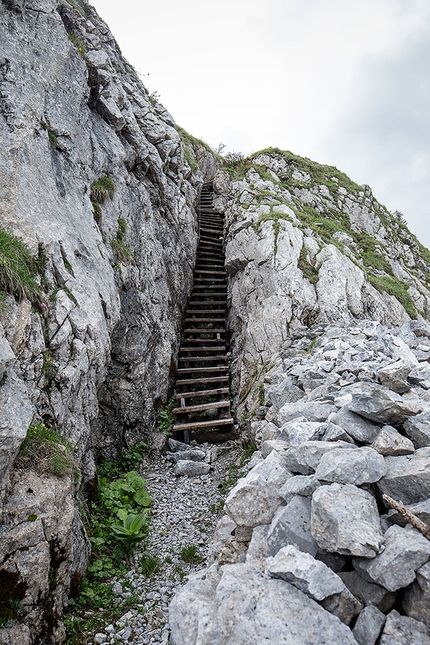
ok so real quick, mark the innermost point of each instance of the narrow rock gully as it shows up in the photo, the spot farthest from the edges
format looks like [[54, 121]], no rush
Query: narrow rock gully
[[185, 509]]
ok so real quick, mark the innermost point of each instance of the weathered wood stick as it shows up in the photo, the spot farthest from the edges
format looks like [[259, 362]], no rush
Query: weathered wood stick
[[418, 524]]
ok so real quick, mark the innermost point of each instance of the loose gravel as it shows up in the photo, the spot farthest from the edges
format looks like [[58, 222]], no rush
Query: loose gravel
[[185, 511]]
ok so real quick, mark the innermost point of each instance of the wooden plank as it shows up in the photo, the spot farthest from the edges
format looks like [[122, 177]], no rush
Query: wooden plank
[[200, 370], [203, 424], [195, 330], [202, 407], [199, 321], [193, 395], [203, 348], [202, 359], [206, 311], [202, 381]]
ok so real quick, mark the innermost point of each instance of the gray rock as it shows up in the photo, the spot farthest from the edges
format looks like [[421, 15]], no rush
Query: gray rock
[[291, 525], [407, 478], [391, 443], [178, 446], [258, 549], [296, 432], [304, 459], [17, 412], [395, 376], [336, 433], [264, 610], [343, 605], [345, 519], [402, 630], [369, 626], [299, 485], [310, 410], [368, 593], [255, 498], [418, 429], [282, 393], [420, 375], [264, 431], [186, 455], [416, 601], [406, 550], [360, 429], [191, 468], [353, 466], [273, 444], [381, 405], [300, 569]]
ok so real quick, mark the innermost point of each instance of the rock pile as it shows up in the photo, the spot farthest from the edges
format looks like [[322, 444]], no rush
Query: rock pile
[[308, 549]]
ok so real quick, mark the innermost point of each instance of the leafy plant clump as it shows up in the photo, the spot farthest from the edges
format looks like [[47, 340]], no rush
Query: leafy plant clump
[[18, 268], [150, 564], [46, 452], [117, 521], [102, 189]]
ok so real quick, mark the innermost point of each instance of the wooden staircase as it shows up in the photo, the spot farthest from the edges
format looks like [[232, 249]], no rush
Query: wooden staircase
[[202, 380]]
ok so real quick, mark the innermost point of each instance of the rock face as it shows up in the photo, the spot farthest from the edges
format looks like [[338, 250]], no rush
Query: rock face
[[94, 181], [314, 502], [304, 246]]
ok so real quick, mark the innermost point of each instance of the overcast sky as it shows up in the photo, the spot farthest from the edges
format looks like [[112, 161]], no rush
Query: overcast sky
[[344, 82]]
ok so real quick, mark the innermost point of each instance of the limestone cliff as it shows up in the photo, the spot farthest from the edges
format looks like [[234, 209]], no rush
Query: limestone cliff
[[94, 181], [306, 246]]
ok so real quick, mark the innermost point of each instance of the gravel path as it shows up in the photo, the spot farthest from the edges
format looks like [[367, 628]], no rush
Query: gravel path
[[185, 511]]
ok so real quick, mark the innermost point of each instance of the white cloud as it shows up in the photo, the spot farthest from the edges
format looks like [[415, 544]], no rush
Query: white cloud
[[342, 82]]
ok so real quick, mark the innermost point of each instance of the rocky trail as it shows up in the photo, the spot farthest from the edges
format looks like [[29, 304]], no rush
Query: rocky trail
[[184, 513]]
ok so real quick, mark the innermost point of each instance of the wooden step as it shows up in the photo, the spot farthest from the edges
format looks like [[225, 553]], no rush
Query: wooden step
[[194, 395], [211, 272], [202, 348], [201, 381], [206, 311], [202, 407], [194, 330], [202, 359], [202, 370], [202, 424]]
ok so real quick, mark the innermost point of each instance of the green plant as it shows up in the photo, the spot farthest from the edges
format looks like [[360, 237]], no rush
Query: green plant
[[122, 496], [261, 397], [97, 211], [49, 368], [306, 267], [132, 530], [150, 564], [78, 44], [166, 418], [122, 228], [122, 251], [102, 189], [129, 459], [396, 288], [189, 554], [18, 268], [311, 345], [46, 452]]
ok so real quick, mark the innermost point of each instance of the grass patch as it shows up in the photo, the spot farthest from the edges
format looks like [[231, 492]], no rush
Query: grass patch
[[149, 565], [45, 452], [189, 554], [18, 268], [310, 272], [102, 189], [80, 47], [396, 288]]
